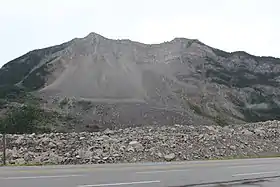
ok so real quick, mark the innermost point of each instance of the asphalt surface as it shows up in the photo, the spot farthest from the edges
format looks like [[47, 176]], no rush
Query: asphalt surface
[[227, 173]]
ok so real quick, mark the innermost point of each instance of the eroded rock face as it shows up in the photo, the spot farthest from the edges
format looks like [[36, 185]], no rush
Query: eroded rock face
[[120, 83], [145, 144]]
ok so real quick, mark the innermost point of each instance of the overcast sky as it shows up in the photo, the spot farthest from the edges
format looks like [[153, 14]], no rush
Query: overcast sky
[[250, 25]]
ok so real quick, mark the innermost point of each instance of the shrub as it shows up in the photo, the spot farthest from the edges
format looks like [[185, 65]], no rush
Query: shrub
[[220, 121], [23, 120]]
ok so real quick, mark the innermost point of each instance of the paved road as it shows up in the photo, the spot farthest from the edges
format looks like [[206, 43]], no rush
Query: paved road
[[235, 173]]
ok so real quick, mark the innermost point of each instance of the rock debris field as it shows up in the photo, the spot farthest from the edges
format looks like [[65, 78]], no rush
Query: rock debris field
[[146, 144]]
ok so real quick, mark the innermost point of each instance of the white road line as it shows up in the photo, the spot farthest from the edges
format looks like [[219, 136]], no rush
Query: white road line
[[183, 170], [245, 166], [162, 171], [260, 173], [180, 170], [39, 177], [119, 184]]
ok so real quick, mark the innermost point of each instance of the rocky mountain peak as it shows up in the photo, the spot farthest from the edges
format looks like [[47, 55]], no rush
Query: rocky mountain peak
[[93, 35], [181, 81]]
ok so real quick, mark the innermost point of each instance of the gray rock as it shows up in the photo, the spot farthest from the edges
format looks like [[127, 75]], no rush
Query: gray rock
[[170, 157], [201, 136], [19, 140], [259, 131], [12, 153], [136, 145], [78, 157], [103, 137], [96, 158], [132, 143], [247, 132], [84, 154], [54, 158], [98, 152], [37, 160], [212, 128], [178, 126], [160, 155], [122, 148], [52, 145], [130, 149], [109, 132], [46, 140], [99, 139], [12, 162], [149, 144], [29, 156], [38, 148], [105, 158], [20, 161]]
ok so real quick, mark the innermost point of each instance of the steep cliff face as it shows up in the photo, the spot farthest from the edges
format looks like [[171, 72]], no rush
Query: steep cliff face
[[124, 82]]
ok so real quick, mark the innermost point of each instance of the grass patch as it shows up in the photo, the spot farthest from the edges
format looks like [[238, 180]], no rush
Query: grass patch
[[236, 157], [86, 105], [196, 108], [246, 157], [27, 164]]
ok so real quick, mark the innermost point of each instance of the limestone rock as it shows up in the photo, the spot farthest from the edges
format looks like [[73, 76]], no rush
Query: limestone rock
[[170, 157], [149, 143]]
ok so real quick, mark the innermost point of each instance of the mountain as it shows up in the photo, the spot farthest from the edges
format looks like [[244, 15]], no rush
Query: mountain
[[118, 83]]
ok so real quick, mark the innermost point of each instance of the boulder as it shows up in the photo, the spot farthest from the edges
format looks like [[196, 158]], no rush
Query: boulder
[[170, 157]]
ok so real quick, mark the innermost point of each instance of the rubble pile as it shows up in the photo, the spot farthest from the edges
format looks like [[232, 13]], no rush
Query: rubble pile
[[145, 144]]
